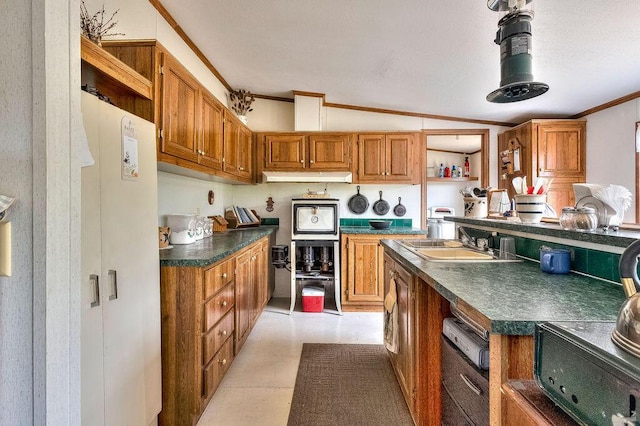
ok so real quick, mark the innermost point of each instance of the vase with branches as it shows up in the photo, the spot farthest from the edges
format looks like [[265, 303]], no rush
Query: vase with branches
[[241, 101], [94, 27]]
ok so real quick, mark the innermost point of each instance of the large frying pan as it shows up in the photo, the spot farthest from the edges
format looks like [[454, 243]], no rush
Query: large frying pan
[[381, 207], [358, 203]]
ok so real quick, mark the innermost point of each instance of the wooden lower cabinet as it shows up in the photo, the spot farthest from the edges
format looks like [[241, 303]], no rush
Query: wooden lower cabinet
[[200, 307], [362, 269], [418, 363], [251, 289]]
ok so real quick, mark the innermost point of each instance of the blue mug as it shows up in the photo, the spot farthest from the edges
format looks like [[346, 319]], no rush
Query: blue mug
[[555, 261]]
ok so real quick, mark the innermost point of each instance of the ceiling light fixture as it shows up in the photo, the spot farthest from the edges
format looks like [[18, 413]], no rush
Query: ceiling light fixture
[[514, 38]]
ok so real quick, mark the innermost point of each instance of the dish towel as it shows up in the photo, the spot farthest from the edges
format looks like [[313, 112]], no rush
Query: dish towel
[[391, 318]]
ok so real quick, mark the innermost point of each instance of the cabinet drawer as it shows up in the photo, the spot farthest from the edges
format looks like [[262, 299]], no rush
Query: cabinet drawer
[[219, 305], [217, 277], [217, 368], [214, 338], [467, 386], [452, 414]]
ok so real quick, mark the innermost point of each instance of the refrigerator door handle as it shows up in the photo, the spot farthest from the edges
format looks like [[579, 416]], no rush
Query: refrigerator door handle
[[94, 280], [113, 278]]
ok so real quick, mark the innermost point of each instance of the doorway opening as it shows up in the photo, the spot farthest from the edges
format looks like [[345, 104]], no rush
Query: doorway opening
[[450, 147]]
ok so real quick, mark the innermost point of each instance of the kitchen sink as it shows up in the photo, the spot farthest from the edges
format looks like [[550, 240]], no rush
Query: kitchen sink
[[437, 250]]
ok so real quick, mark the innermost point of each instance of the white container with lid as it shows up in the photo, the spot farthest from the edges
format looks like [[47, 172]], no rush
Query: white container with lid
[[183, 228]]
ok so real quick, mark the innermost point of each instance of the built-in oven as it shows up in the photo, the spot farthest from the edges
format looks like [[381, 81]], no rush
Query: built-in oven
[[315, 219], [315, 247]]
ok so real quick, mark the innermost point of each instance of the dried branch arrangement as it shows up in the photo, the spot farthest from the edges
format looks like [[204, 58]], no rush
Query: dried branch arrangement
[[94, 26], [241, 101]]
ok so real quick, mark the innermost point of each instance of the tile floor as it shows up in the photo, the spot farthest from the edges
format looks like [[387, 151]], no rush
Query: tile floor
[[258, 387]]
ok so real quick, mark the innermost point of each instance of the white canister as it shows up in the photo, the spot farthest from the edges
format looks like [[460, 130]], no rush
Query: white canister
[[183, 228], [475, 207], [530, 207]]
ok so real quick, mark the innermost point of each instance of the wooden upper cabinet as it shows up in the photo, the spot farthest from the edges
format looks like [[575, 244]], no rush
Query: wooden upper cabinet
[[561, 150], [400, 157], [318, 151], [245, 144], [180, 92], [210, 133], [546, 148], [195, 130], [237, 150], [371, 157], [329, 151], [284, 152], [231, 145], [387, 157]]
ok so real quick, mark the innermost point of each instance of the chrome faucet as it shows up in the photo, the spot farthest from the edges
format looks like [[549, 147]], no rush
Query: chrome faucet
[[465, 238]]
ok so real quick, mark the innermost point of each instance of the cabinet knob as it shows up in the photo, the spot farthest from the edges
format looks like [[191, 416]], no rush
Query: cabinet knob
[[302, 161], [223, 332], [224, 275], [223, 303], [241, 168], [223, 361], [202, 152], [311, 161]]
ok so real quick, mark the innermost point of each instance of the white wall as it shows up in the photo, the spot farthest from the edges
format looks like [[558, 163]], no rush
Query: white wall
[[39, 303], [611, 148], [180, 195]]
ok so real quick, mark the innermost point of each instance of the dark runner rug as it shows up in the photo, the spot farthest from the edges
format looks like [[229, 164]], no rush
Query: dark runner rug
[[347, 385]]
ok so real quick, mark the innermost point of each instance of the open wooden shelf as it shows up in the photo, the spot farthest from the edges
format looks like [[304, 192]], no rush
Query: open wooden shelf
[[117, 72], [450, 179]]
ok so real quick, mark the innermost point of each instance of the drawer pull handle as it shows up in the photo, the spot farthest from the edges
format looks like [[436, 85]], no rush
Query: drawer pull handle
[[223, 303], [223, 361], [224, 275], [470, 384]]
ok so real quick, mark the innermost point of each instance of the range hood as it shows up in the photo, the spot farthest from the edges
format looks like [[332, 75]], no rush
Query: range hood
[[344, 177]]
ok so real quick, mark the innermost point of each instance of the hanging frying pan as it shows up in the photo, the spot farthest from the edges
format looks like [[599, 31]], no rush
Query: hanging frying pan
[[399, 210], [381, 207], [358, 203]]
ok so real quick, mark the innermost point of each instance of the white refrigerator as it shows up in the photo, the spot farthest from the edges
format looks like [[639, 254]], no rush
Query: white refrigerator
[[120, 323]]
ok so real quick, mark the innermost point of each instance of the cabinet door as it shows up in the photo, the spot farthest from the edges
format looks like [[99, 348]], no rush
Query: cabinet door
[[179, 103], [210, 133], [329, 152], [371, 158], [245, 153], [403, 361], [284, 152], [243, 298], [561, 150], [400, 159], [130, 299], [231, 159], [364, 277]]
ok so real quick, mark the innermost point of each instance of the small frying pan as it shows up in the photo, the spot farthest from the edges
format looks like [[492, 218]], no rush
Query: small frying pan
[[381, 207], [399, 210], [358, 203]]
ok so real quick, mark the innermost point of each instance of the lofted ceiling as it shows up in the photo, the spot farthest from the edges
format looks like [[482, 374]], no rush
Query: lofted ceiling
[[421, 56]]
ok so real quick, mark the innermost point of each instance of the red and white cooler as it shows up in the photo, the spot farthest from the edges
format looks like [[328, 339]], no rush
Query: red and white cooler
[[312, 299]]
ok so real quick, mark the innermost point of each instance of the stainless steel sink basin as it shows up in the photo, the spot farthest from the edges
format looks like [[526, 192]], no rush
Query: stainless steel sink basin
[[436, 250]]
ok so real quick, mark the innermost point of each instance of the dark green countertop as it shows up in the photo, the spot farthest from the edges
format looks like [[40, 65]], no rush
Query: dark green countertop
[[392, 230], [515, 296], [621, 238], [210, 250]]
